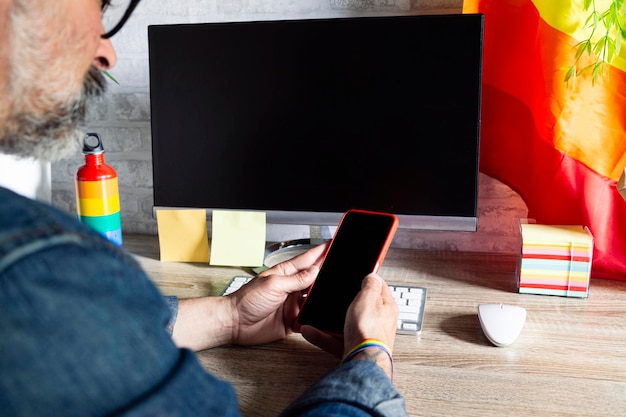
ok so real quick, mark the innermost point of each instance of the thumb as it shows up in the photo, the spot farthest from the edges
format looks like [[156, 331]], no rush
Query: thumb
[[372, 282], [299, 281]]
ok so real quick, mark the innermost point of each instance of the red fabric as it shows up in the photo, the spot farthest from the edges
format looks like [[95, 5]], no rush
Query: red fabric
[[527, 124]]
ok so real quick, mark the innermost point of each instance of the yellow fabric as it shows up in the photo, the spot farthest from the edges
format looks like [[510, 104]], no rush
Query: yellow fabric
[[569, 16]]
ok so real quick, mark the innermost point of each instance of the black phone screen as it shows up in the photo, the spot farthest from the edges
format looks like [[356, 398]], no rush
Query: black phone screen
[[359, 244]]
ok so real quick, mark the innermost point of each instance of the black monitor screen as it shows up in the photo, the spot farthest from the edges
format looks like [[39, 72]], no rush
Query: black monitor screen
[[306, 117]]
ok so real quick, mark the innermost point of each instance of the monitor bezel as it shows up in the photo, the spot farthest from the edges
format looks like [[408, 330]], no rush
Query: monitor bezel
[[317, 218]]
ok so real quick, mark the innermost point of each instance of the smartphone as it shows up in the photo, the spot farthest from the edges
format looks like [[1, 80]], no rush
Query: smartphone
[[358, 247]]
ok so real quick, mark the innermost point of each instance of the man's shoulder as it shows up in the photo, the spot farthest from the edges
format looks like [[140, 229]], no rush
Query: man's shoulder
[[27, 222], [19, 213]]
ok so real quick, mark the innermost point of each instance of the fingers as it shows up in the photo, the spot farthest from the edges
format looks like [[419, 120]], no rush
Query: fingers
[[299, 281], [331, 344], [311, 257], [298, 273]]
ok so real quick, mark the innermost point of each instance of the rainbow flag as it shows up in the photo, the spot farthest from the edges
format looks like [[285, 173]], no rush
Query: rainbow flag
[[561, 146]]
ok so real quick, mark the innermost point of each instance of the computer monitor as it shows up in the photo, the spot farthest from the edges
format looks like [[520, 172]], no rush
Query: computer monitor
[[305, 119]]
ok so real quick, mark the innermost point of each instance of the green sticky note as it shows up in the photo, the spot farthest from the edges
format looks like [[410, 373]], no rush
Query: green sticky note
[[237, 238]]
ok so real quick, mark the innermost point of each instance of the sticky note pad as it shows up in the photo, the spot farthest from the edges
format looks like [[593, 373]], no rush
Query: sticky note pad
[[555, 260], [238, 238], [183, 235]]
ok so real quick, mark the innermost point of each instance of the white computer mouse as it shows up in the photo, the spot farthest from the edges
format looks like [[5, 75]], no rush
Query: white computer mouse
[[501, 323]]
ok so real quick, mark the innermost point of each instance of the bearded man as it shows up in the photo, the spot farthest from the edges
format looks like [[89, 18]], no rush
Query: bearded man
[[83, 331]]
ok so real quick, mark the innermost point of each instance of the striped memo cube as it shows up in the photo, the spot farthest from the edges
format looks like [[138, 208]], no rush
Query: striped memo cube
[[556, 260]]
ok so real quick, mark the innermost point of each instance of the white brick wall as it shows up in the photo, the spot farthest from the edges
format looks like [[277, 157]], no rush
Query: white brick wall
[[122, 117]]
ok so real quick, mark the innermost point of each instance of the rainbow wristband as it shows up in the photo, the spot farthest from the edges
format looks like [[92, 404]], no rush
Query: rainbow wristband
[[366, 344]]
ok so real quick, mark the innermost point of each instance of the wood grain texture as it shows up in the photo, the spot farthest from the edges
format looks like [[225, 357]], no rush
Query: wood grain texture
[[570, 359]]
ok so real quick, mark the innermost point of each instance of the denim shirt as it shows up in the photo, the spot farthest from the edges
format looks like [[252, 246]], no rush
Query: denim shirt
[[83, 331]]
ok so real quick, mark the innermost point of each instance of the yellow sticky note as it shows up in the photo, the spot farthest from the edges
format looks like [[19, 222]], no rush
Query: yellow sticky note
[[183, 235], [238, 238]]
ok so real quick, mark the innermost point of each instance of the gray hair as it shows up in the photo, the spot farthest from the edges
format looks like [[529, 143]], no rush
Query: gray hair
[[43, 116]]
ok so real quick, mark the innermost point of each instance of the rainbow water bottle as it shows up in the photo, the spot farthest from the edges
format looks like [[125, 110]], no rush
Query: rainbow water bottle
[[97, 193]]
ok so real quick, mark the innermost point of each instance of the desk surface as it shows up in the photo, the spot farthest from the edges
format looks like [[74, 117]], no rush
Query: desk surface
[[569, 360]]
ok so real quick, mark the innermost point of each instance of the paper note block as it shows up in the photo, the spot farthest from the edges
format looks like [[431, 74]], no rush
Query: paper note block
[[555, 260], [237, 238], [183, 235]]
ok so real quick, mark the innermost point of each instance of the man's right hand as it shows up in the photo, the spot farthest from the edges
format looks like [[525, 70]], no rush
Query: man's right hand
[[372, 315]]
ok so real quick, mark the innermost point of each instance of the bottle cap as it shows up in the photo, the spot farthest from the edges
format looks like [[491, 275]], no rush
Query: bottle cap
[[92, 144]]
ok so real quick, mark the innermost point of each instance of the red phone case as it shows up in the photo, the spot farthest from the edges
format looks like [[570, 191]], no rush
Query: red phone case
[[373, 259]]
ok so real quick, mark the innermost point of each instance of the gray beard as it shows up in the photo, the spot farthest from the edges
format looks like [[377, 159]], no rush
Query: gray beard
[[55, 134]]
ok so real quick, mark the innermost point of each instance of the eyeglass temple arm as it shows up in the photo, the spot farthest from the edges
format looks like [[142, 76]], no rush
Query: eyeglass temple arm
[[127, 13]]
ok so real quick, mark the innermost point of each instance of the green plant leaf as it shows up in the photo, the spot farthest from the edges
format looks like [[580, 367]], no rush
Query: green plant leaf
[[611, 22], [582, 47], [571, 72], [111, 77]]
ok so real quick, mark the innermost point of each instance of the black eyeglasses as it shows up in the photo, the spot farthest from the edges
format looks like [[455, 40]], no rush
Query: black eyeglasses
[[111, 17]]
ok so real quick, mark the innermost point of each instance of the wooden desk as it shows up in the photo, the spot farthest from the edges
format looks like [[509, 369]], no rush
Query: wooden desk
[[569, 360]]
